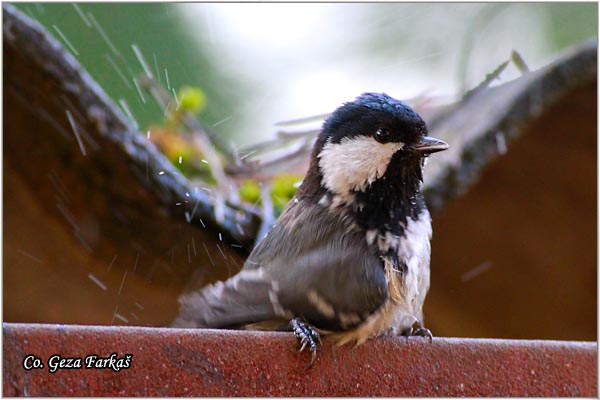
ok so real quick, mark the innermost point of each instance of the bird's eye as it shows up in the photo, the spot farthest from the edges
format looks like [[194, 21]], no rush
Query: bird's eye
[[383, 135]]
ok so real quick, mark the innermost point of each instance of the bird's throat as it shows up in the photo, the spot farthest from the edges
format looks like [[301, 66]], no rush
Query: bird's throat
[[388, 203], [385, 204]]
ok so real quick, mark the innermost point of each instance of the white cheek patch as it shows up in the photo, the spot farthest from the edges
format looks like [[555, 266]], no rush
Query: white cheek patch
[[355, 163]]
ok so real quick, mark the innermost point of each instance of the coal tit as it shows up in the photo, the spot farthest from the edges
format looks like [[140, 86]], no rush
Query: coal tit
[[349, 256]]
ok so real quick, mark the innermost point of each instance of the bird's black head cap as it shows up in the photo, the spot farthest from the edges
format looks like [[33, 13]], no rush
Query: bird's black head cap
[[369, 115], [370, 112]]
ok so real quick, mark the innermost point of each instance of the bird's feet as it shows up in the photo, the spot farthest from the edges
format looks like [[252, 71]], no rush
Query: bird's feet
[[307, 336], [418, 331]]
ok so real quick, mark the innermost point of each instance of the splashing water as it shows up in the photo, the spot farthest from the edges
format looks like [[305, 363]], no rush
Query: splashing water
[[97, 281]]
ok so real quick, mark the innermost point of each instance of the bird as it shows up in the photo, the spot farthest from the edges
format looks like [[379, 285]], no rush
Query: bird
[[349, 256]]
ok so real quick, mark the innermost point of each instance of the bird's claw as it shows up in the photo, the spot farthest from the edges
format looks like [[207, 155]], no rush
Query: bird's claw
[[423, 332], [419, 331], [307, 336]]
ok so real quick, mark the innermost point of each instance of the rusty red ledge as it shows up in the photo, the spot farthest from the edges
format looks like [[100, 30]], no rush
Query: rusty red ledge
[[181, 362]]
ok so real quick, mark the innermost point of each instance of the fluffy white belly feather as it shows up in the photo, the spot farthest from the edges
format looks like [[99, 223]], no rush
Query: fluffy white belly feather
[[407, 292]]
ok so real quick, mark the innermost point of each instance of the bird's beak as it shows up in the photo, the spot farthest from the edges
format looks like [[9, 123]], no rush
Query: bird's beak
[[429, 145]]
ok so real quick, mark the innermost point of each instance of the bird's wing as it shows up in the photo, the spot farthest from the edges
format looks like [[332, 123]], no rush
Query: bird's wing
[[335, 286], [309, 265]]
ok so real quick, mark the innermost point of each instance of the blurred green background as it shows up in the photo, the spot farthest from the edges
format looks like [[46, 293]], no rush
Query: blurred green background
[[262, 63]]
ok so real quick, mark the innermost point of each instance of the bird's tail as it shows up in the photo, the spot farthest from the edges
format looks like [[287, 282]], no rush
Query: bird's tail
[[232, 303]]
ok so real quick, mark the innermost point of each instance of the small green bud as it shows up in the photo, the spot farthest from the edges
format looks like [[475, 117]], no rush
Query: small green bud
[[250, 191], [192, 99]]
